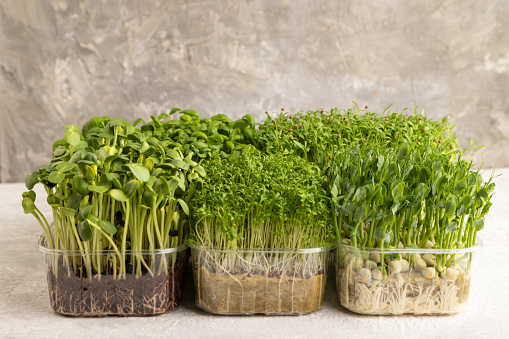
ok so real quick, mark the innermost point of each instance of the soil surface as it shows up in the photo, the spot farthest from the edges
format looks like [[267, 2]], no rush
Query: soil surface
[[243, 294]]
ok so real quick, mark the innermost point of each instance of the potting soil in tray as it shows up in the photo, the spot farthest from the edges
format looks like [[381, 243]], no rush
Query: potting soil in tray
[[133, 295], [243, 294]]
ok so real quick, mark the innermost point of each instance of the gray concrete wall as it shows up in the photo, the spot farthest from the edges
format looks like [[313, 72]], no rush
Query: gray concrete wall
[[63, 62]]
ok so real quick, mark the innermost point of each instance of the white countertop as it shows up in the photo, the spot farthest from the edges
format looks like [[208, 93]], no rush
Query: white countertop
[[25, 310]]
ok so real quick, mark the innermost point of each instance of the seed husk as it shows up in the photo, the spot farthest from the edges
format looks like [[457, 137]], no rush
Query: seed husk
[[419, 264], [365, 274], [395, 266], [377, 273], [428, 273]]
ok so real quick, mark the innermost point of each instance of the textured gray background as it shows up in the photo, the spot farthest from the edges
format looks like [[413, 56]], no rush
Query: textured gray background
[[63, 62]]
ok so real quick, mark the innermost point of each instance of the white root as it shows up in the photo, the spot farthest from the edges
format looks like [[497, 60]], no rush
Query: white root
[[399, 293]]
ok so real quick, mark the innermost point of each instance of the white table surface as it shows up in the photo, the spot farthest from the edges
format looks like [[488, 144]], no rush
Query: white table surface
[[25, 310]]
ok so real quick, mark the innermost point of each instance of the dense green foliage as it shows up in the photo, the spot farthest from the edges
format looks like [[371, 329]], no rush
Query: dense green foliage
[[317, 135], [113, 187], [261, 201], [376, 180]]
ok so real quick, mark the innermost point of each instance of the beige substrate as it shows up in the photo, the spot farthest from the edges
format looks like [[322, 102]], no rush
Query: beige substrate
[[401, 293], [243, 294]]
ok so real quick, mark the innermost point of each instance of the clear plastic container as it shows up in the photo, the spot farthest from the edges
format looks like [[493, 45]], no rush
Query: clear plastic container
[[152, 283], [403, 281], [246, 282]]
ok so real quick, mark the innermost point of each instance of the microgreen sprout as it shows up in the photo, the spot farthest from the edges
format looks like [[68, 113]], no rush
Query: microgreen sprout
[[261, 202], [115, 188]]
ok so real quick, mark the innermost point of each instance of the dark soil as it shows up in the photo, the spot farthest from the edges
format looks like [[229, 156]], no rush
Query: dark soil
[[107, 294]]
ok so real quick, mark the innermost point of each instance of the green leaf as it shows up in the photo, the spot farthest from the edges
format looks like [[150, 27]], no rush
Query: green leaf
[[108, 136], [397, 192], [84, 230], [174, 154], [31, 180], [460, 186], [84, 212], [360, 213], [98, 189], [239, 124], [192, 177], [144, 147], [191, 113], [28, 205], [359, 195], [149, 197], [441, 183], [479, 224], [221, 117], [460, 211], [451, 227], [199, 145], [80, 185], [158, 186], [173, 184], [163, 116], [118, 195], [72, 138], [482, 193], [31, 194], [466, 200], [184, 206], [174, 110], [131, 187], [249, 119], [423, 175], [180, 164], [407, 171], [139, 121], [199, 135], [299, 145], [68, 211], [403, 151], [81, 145], [201, 171], [93, 218], [381, 236], [91, 157], [57, 143], [65, 166], [107, 227], [140, 172], [72, 128], [450, 207], [380, 162], [56, 177], [334, 191], [89, 172], [73, 202]]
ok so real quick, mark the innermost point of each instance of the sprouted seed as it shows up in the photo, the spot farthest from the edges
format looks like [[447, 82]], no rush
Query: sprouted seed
[[428, 272]]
